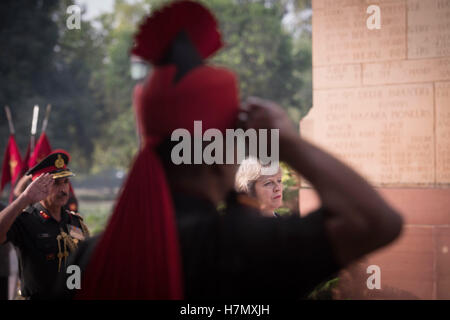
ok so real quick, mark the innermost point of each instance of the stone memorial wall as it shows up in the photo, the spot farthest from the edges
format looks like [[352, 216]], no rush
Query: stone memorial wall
[[381, 103]]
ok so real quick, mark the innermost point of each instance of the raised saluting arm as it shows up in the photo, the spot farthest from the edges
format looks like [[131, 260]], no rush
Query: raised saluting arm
[[35, 192], [357, 218]]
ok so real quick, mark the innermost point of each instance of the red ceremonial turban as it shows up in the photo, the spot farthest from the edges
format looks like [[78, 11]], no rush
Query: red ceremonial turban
[[138, 255]]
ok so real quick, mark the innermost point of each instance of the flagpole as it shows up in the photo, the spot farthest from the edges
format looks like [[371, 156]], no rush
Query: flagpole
[[47, 115], [10, 122], [34, 127]]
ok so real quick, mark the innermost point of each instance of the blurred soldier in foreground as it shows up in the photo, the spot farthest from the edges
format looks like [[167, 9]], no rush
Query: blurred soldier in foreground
[[43, 232], [4, 267], [167, 240]]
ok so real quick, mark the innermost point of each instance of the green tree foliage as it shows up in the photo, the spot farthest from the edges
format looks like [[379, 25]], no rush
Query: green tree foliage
[[290, 191], [117, 144], [28, 35], [261, 51], [78, 110], [258, 48], [44, 62]]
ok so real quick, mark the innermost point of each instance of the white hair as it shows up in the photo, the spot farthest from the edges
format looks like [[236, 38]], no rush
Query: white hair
[[248, 173]]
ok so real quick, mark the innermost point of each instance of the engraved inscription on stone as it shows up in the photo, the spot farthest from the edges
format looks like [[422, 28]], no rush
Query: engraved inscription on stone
[[341, 36], [331, 4], [381, 97], [428, 28], [339, 76], [386, 132], [413, 71], [443, 132]]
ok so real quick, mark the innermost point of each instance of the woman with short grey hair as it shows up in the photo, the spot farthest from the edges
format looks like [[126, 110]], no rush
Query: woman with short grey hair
[[267, 189]]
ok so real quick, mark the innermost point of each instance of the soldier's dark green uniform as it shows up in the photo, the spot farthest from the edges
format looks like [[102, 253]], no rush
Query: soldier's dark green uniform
[[35, 235], [44, 244]]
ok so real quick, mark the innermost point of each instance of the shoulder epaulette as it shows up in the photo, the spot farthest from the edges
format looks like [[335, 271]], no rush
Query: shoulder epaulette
[[29, 209], [76, 214], [84, 227]]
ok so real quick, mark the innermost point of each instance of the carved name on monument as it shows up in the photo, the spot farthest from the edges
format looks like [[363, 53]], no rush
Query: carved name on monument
[[341, 35], [384, 132], [382, 97], [443, 132], [428, 28]]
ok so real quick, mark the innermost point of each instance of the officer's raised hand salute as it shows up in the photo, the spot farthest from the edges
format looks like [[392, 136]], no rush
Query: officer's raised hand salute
[[38, 190], [43, 232]]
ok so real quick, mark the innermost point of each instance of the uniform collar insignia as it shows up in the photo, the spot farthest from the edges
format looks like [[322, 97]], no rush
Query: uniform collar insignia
[[44, 215]]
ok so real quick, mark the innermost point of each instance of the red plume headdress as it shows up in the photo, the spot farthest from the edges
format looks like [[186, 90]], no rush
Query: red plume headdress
[[138, 255], [157, 33]]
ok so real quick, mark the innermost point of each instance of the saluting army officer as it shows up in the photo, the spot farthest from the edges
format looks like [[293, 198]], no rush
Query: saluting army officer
[[43, 232]]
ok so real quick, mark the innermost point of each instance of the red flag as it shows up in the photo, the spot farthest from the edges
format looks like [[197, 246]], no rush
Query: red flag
[[22, 172], [25, 161], [41, 150], [12, 163]]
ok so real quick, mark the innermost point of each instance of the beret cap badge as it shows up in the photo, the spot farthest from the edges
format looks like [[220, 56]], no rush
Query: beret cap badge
[[59, 162]]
